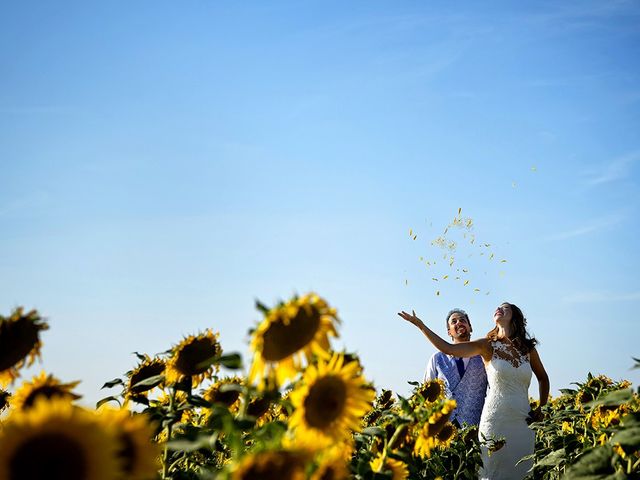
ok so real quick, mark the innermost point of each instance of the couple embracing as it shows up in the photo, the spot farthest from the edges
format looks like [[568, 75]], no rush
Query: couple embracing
[[505, 360]]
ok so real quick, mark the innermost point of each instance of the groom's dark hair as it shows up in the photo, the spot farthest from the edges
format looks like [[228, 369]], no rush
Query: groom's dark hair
[[461, 312]]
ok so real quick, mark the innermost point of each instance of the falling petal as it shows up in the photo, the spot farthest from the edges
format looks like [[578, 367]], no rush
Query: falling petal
[[437, 292], [445, 277], [534, 168], [421, 259], [459, 210], [410, 232], [465, 270], [434, 279], [491, 257], [406, 282], [513, 184], [487, 293], [476, 289], [466, 282], [503, 261], [415, 236]]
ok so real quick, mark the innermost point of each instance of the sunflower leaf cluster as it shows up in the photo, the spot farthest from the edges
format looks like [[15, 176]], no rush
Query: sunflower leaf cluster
[[592, 429]]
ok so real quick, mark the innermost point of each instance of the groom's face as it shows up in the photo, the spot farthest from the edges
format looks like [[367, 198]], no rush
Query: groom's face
[[459, 327]]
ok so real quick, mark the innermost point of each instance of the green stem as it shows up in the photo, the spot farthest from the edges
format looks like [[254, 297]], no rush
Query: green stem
[[165, 456]]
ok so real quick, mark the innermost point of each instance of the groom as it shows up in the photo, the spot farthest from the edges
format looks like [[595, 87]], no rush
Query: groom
[[464, 378]]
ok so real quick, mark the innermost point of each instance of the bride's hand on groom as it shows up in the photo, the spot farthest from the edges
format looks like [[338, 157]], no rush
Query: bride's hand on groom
[[535, 415]]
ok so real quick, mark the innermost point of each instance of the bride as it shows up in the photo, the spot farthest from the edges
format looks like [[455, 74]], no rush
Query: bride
[[509, 357]]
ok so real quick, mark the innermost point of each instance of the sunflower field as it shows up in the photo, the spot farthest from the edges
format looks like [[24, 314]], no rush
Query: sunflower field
[[303, 411]]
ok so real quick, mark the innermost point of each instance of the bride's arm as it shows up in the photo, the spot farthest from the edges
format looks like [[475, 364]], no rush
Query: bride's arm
[[541, 375], [463, 349]]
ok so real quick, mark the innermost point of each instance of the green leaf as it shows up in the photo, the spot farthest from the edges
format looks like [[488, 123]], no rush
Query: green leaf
[[232, 361], [140, 356], [190, 445], [613, 399], [113, 383], [262, 307], [568, 391], [108, 399], [373, 432], [149, 382], [629, 437], [594, 464], [197, 401], [552, 459]]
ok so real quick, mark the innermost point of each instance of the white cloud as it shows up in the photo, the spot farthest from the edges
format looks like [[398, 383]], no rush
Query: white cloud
[[592, 226], [616, 169]]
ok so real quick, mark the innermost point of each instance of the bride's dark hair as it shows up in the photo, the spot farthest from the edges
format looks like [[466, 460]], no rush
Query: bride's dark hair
[[520, 337]]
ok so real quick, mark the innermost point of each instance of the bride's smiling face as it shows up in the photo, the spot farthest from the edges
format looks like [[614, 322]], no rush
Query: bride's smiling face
[[503, 314]]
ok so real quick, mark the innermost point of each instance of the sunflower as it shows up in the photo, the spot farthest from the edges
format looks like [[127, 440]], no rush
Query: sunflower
[[228, 397], [431, 390], [145, 370], [276, 465], [438, 419], [424, 443], [19, 342], [289, 333], [329, 402], [137, 453], [192, 358], [43, 386], [397, 468], [56, 440], [446, 435]]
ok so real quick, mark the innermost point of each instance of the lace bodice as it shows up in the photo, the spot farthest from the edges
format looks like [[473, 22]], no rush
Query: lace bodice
[[509, 375], [509, 353]]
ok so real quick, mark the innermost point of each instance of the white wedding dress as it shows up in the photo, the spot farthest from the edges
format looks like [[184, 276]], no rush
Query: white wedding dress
[[506, 408]]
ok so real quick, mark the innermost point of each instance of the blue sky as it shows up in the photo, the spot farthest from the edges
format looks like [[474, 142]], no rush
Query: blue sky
[[164, 164]]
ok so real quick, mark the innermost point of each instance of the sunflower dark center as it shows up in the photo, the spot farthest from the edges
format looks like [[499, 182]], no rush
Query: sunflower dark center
[[226, 397], [329, 473], [258, 407], [434, 428], [45, 391], [279, 466], [446, 433], [325, 401], [52, 456], [17, 339], [282, 340], [127, 452], [146, 371], [431, 391], [192, 357]]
